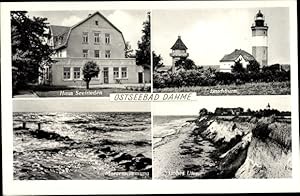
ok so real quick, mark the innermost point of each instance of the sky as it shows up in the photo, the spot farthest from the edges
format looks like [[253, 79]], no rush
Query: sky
[[280, 102], [129, 22], [78, 105], [210, 33]]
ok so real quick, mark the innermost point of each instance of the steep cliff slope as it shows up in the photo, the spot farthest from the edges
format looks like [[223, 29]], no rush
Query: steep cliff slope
[[269, 154], [247, 147]]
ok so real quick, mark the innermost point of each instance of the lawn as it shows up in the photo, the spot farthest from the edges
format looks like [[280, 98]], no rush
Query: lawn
[[271, 88]]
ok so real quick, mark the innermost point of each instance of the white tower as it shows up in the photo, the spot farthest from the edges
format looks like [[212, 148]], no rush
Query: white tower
[[260, 39]]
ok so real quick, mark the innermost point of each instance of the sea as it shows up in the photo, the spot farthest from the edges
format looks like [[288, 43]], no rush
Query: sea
[[167, 126], [48, 158]]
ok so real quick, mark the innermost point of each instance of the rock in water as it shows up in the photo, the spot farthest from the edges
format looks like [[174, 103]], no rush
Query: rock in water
[[140, 155], [141, 163], [102, 156], [122, 156], [126, 163], [113, 153], [105, 149]]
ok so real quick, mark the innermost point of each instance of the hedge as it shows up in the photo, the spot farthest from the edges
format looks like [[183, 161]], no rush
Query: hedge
[[212, 78]]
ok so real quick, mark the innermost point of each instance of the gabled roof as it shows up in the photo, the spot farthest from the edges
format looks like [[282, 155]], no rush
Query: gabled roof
[[67, 30], [235, 54], [179, 45]]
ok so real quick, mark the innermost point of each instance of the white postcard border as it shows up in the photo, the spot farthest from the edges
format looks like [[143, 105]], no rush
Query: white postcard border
[[14, 187]]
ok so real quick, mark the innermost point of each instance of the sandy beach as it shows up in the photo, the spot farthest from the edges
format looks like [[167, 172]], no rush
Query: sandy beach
[[168, 161], [183, 154]]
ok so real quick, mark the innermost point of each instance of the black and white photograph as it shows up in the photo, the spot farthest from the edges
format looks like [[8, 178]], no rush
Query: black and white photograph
[[223, 139], [80, 53], [214, 51], [80, 143], [149, 97]]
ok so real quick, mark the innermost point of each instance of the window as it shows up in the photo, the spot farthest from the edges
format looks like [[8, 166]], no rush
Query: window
[[116, 72], [107, 38], [97, 53], [107, 53], [60, 40], [96, 22], [97, 38], [85, 38], [58, 53], [85, 53], [124, 72], [47, 73], [76, 72], [67, 73]]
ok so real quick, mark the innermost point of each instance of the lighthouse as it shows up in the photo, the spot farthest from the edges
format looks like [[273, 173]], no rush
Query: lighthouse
[[260, 39], [178, 52]]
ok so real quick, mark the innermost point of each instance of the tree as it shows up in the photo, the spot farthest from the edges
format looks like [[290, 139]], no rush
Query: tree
[[30, 52], [272, 68], [129, 51], [186, 64], [143, 51], [90, 70], [203, 112], [238, 67], [253, 67], [157, 61]]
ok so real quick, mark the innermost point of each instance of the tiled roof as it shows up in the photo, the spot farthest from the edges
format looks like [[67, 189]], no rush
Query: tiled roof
[[59, 32], [65, 31], [179, 45], [235, 54]]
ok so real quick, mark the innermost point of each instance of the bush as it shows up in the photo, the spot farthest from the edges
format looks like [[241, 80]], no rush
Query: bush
[[184, 78], [261, 131], [201, 77], [224, 78]]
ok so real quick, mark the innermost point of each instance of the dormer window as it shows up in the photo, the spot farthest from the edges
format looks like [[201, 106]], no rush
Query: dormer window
[[60, 40], [96, 22]]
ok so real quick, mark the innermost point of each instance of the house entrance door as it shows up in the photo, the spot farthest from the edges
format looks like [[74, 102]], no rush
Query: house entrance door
[[140, 78], [105, 75]]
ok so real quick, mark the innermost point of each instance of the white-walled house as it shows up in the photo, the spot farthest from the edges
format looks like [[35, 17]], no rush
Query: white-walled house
[[229, 60], [95, 39]]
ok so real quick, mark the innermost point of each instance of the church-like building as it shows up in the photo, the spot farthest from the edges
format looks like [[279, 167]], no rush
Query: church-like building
[[96, 39]]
